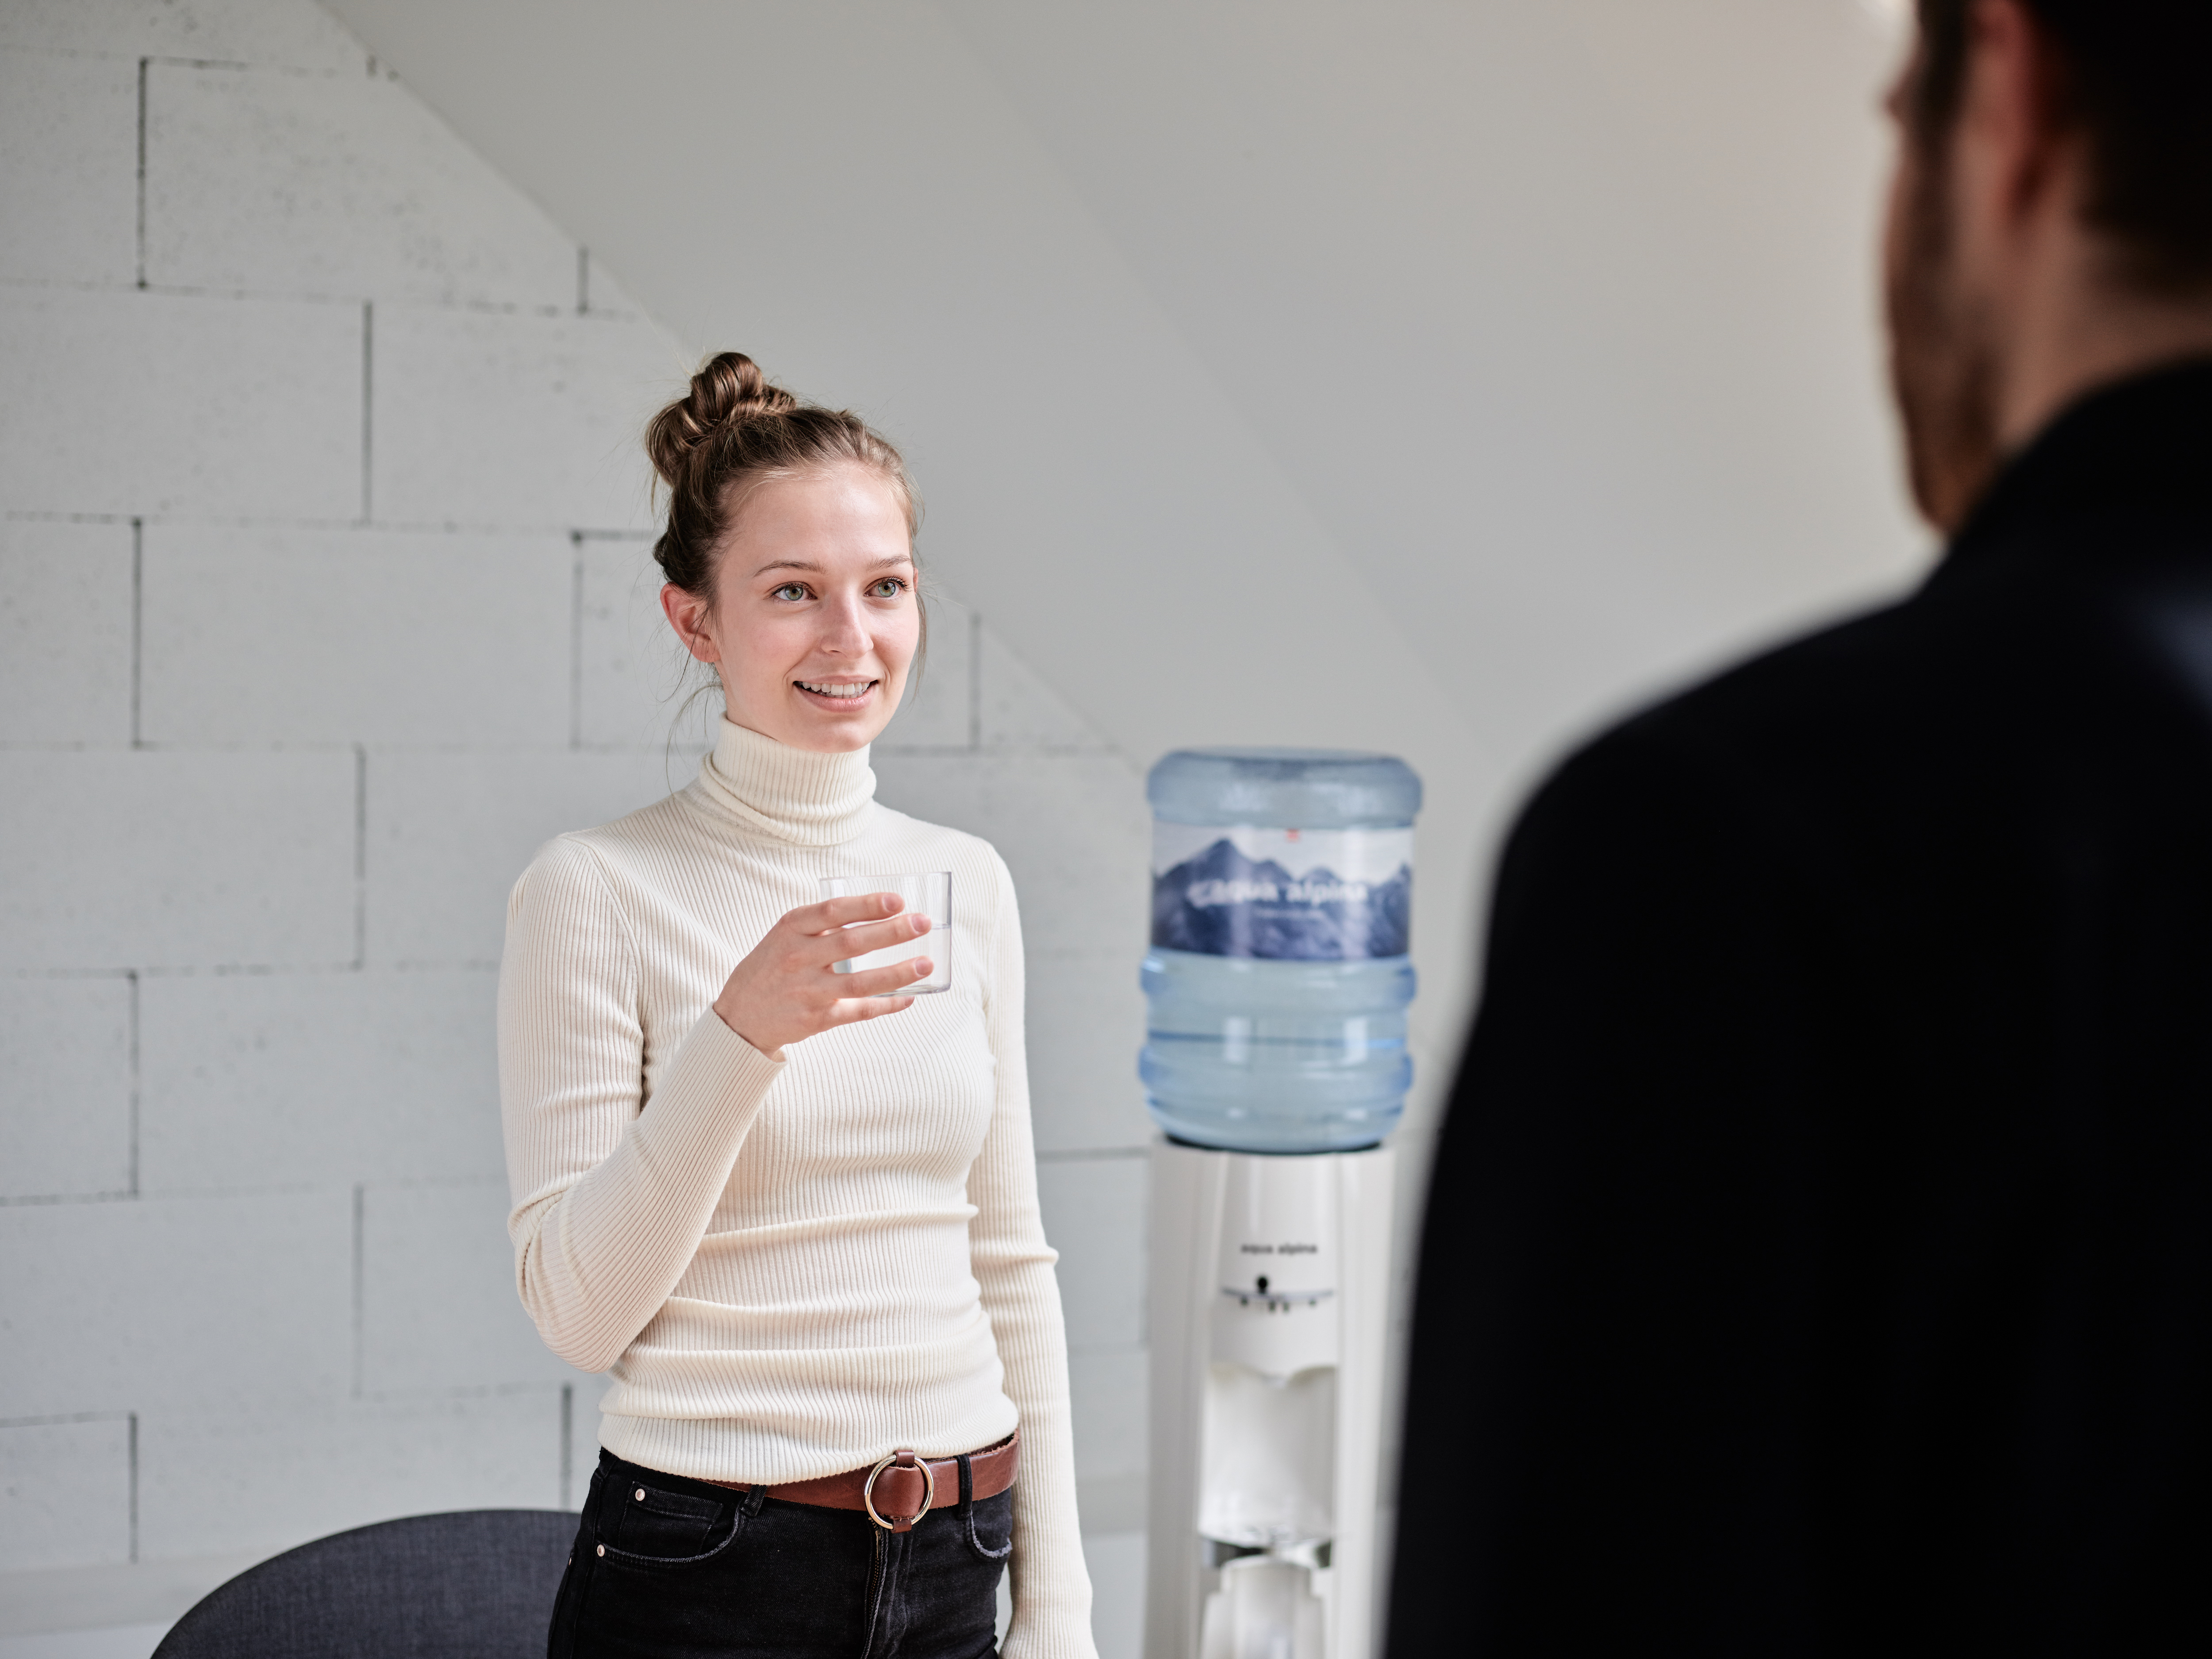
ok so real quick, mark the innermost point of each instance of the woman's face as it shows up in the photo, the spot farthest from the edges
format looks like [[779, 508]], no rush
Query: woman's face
[[815, 621]]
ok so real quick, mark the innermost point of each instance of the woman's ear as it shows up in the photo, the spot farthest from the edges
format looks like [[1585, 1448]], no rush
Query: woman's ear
[[687, 615]]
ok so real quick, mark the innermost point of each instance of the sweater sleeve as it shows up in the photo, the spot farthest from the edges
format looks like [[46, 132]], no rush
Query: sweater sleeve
[[612, 1192], [1014, 1265]]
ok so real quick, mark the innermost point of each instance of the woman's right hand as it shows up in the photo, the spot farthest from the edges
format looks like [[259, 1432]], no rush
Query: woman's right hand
[[785, 991]]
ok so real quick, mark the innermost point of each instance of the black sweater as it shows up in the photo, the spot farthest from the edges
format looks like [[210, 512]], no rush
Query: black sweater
[[1818, 1255]]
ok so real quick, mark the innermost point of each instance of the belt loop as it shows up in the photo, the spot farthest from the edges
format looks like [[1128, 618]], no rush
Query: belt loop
[[755, 1496], [967, 1483]]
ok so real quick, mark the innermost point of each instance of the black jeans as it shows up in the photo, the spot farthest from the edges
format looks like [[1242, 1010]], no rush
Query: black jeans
[[667, 1568]]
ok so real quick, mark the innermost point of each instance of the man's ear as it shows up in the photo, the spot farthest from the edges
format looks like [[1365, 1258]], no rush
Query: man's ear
[[687, 615], [2016, 95]]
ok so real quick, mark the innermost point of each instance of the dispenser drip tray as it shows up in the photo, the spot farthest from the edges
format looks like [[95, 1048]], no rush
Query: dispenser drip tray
[[1265, 1609]]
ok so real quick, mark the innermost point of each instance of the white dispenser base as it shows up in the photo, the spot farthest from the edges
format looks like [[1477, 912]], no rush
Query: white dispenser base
[[1270, 1292]]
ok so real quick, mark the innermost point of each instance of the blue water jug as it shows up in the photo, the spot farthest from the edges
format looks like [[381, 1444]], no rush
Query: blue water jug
[[1278, 978]]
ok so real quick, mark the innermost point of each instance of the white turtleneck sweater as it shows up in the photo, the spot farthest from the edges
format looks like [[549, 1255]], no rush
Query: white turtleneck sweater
[[789, 1267]]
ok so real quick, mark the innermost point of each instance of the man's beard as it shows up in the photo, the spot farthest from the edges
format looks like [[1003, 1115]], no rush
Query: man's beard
[[1943, 359]]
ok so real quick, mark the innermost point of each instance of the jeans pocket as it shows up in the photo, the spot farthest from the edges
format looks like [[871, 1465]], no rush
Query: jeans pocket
[[990, 1526], [640, 1524]]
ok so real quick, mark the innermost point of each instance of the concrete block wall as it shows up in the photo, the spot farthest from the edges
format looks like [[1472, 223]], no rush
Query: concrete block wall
[[326, 598]]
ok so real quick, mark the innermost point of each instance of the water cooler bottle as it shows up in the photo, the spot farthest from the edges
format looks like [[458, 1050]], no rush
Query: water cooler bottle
[[1274, 1063]]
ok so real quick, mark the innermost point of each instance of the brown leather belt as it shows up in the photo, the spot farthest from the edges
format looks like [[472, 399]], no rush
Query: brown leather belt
[[898, 1491]]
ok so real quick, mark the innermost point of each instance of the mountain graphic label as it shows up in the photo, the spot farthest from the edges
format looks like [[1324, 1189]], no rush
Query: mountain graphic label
[[1282, 895]]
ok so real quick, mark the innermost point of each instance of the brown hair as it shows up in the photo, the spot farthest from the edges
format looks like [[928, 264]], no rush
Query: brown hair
[[733, 431], [2134, 84]]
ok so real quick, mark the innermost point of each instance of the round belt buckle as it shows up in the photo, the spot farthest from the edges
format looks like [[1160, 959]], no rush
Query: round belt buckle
[[928, 1492]]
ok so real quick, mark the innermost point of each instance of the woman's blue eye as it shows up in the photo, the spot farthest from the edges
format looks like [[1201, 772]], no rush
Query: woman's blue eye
[[791, 590]]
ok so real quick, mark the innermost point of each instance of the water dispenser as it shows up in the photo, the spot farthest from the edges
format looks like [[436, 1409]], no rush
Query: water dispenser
[[1274, 1063]]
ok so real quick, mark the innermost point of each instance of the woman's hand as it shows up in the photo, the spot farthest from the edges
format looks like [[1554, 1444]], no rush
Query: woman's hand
[[786, 992]]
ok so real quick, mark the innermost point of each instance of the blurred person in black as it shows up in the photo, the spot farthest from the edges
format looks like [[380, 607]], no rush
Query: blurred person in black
[[1819, 1256]]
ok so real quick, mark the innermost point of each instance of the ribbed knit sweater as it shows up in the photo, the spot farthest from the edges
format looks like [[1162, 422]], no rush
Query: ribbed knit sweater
[[789, 1265]]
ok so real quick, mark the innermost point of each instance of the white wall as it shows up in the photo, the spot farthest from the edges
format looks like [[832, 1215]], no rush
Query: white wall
[[324, 598]]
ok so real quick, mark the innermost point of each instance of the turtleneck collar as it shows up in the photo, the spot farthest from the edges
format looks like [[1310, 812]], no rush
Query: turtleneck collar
[[791, 795]]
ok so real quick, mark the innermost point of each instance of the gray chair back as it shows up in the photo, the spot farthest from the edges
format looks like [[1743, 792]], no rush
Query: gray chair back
[[474, 1584]]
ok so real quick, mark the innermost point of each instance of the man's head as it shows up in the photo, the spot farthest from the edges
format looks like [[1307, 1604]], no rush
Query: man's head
[[2050, 220]]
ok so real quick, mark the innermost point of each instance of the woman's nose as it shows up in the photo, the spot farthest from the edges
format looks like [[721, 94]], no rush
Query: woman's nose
[[844, 629]]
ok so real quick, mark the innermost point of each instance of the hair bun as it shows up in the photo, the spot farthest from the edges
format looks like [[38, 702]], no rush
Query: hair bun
[[729, 386]]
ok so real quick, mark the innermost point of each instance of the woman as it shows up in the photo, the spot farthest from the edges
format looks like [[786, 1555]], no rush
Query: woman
[[793, 1214]]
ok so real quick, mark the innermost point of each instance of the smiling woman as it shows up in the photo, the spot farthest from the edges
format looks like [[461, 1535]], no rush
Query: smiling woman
[[814, 624], [801, 1239], [789, 555]]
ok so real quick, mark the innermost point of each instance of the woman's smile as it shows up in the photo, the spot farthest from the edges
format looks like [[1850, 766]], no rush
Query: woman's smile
[[842, 695]]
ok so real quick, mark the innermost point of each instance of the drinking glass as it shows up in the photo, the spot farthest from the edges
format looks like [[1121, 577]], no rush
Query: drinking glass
[[927, 892]]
